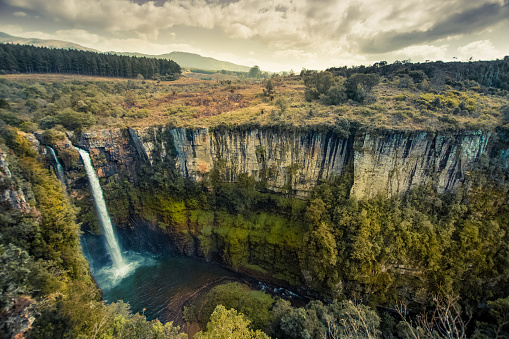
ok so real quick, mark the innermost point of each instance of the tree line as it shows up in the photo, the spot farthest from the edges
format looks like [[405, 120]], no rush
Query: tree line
[[494, 73], [30, 59]]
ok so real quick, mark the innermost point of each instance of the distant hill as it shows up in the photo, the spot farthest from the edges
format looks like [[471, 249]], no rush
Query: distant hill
[[191, 60], [6, 38]]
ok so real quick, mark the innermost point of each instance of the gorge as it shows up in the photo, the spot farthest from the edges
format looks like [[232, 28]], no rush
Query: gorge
[[186, 195], [146, 280], [139, 166]]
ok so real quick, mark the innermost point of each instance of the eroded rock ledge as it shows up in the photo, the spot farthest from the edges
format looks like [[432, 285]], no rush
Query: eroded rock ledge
[[387, 162]]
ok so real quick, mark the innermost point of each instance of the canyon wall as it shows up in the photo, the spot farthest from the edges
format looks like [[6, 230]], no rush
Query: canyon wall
[[268, 236], [388, 162]]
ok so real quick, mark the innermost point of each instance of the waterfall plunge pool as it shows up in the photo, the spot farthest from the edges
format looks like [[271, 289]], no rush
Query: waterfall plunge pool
[[153, 284], [158, 285]]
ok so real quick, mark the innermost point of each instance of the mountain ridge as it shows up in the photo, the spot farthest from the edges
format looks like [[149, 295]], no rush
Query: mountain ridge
[[193, 60], [50, 43], [184, 59]]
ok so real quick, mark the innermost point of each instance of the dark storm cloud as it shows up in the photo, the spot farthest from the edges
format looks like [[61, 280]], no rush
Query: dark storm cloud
[[469, 21], [304, 32]]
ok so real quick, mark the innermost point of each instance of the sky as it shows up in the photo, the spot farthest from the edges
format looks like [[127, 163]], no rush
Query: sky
[[275, 35]]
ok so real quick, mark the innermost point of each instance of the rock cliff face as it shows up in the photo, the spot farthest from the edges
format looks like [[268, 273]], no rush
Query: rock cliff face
[[393, 163], [382, 163], [11, 196]]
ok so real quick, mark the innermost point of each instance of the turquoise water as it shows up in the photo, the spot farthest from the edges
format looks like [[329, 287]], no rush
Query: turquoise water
[[153, 282], [153, 287]]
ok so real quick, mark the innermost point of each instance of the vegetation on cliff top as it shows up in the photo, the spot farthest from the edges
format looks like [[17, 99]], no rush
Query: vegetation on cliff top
[[398, 96]]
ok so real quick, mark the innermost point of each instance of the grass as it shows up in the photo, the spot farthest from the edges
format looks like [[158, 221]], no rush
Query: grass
[[192, 102]]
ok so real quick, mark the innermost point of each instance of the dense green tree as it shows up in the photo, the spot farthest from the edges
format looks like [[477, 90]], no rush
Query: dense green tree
[[255, 305], [14, 273], [255, 72], [317, 320], [317, 83], [358, 86], [320, 256], [225, 324]]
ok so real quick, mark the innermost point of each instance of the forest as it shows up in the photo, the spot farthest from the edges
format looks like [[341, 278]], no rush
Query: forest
[[30, 59], [422, 264]]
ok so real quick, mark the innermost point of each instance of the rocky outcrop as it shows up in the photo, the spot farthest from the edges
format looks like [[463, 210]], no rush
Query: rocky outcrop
[[111, 151], [387, 162], [11, 196], [392, 163]]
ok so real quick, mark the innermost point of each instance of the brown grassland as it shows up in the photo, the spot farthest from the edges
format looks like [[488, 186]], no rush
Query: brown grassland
[[193, 102]]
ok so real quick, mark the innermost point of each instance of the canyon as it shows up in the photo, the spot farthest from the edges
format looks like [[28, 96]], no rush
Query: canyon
[[266, 235]]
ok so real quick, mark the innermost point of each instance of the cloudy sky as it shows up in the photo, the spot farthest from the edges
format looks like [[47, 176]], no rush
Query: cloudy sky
[[276, 35]]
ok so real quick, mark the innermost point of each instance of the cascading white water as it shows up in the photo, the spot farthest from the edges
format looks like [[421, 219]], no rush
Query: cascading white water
[[60, 169], [119, 266]]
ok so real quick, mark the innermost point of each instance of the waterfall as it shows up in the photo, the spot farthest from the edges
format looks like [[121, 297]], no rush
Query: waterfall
[[120, 267], [58, 165]]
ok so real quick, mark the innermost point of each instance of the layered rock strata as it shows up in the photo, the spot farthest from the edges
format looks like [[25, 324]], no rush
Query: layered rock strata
[[386, 163]]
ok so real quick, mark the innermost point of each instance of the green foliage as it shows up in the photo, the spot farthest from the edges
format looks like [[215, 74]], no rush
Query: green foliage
[[70, 157], [317, 83], [10, 119], [335, 95], [79, 314], [498, 311], [482, 75], [320, 255], [229, 324], [358, 86], [72, 120], [51, 136], [505, 113], [56, 234], [334, 91], [4, 104], [169, 210], [14, 272], [336, 320], [383, 243], [255, 305], [255, 72]]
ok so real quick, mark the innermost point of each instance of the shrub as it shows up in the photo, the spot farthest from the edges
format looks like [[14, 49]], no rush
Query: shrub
[[229, 324], [50, 136], [505, 113], [255, 305], [336, 95], [70, 157], [72, 120], [358, 86]]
